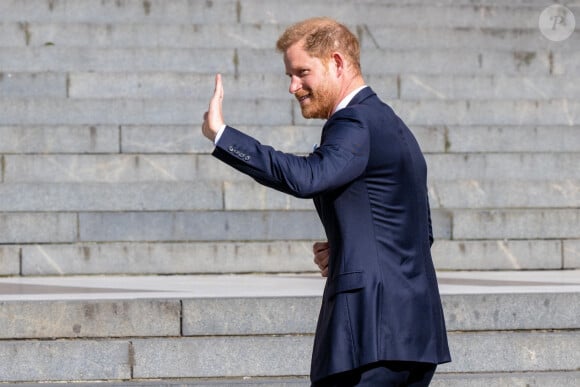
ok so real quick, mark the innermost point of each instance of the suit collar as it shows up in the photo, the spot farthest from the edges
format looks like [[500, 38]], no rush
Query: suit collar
[[361, 96]]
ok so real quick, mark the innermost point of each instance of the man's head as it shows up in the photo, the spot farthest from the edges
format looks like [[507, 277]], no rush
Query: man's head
[[322, 59]]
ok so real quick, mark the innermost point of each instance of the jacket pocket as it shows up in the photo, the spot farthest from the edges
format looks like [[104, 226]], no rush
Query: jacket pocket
[[346, 282]]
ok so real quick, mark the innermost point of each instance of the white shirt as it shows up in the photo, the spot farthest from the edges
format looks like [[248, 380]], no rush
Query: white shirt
[[346, 100], [341, 105]]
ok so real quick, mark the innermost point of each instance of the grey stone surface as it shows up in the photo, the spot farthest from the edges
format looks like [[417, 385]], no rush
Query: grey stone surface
[[67, 59], [19, 111], [9, 260], [64, 360], [516, 224], [491, 101], [569, 60], [222, 356], [513, 351], [443, 194], [514, 379], [152, 196], [199, 226], [74, 319], [447, 37], [459, 62], [252, 196], [164, 139], [140, 33], [559, 112], [278, 112], [498, 254], [505, 166], [122, 11], [177, 85], [107, 168], [557, 168], [291, 139], [572, 254], [532, 139], [33, 85], [289, 355], [185, 139], [494, 312], [425, 61], [486, 87], [37, 227], [206, 382], [250, 316], [456, 14], [59, 139], [394, 14], [477, 193], [162, 258]]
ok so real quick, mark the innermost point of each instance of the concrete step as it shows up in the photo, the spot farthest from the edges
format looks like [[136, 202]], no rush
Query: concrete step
[[406, 87], [144, 328], [279, 112], [523, 379], [186, 139], [180, 226], [170, 258], [246, 195], [428, 61], [134, 168], [517, 15], [252, 35], [155, 85]]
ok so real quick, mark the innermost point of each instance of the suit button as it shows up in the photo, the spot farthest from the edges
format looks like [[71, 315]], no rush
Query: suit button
[[247, 158], [231, 148]]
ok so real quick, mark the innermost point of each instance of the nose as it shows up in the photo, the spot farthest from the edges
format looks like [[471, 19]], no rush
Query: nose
[[295, 84]]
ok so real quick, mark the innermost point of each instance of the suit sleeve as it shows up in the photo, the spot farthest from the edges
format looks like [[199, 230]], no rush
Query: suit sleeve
[[341, 158]]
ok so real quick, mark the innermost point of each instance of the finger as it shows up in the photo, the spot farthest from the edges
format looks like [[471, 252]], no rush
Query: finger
[[320, 246], [318, 258], [218, 91]]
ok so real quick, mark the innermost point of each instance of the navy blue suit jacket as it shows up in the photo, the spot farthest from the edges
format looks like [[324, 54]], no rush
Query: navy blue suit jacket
[[368, 180]]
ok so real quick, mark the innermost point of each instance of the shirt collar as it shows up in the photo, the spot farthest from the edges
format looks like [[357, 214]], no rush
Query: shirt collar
[[346, 100]]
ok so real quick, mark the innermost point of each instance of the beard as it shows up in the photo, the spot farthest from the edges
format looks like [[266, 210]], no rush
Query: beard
[[319, 102]]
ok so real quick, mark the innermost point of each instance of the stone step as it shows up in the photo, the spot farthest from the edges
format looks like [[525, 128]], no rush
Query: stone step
[[187, 139], [177, 226], [135, 168], [250, 35], [190, 85], [528, 379], [140, 328], [288, 256], [516, 15], [538, 63], [279, 112], [245, 195], [531, 379]]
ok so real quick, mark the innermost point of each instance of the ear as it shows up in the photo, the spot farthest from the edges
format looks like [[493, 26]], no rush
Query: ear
[[338, 63]]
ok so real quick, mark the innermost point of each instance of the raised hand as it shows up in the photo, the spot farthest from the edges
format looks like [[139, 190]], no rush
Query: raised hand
[[213, 118]]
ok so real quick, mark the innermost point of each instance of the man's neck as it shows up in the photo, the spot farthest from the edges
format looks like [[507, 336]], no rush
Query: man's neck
[[350, 85]]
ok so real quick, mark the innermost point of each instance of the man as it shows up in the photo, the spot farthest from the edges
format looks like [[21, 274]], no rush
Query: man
[[381, 321]]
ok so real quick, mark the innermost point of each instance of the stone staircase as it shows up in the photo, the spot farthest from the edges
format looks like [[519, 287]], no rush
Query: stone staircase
[[105, 177]]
